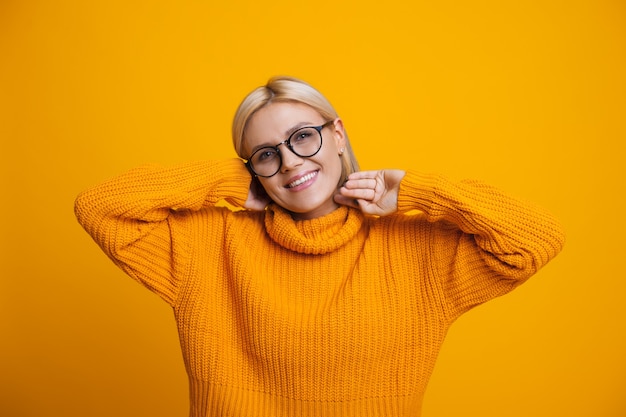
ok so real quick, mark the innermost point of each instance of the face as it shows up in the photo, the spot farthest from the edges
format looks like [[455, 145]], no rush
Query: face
[[305, 186]]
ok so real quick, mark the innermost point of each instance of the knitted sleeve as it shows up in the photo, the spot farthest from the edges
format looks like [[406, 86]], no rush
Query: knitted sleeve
[[128, 216], [484, 242]]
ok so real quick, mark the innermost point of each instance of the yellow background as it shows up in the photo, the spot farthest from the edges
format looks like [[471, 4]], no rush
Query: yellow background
[[527, 95]]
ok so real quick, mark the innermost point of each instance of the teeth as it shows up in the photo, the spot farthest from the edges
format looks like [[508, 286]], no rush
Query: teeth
[[302, 180]]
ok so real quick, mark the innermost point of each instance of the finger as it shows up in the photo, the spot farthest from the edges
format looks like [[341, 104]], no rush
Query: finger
[[360, 183], [363, 175], [358, 193]]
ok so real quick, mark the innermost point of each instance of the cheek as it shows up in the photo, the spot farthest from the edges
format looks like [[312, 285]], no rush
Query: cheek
[[335, 161], [270, 186]]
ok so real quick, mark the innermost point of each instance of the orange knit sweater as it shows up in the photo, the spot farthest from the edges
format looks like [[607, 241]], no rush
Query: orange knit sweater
[[338, 316]]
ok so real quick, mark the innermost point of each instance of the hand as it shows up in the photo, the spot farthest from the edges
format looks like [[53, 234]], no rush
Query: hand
[[257, 197], [373, 192]]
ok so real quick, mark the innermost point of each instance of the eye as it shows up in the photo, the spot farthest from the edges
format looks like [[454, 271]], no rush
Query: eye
[[265, 154], [303, 135]]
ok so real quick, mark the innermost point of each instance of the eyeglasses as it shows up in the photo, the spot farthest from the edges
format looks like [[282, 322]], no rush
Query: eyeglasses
[[304, 142]]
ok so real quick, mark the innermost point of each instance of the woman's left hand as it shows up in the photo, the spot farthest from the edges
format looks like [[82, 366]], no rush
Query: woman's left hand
[[373, 192]]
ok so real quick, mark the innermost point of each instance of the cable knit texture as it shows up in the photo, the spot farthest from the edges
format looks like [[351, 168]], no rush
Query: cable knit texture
[[338, 316]]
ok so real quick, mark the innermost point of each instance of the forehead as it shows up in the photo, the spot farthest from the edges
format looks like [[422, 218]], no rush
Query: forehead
[[274, 122]]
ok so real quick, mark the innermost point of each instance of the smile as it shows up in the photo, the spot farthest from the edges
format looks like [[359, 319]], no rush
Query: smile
[[302, 180]]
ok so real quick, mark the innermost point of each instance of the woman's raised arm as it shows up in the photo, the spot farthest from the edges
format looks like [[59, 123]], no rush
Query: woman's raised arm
[[128, 216]]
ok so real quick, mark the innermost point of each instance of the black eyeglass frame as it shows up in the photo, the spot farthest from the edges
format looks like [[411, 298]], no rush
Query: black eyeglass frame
[[288, 143]]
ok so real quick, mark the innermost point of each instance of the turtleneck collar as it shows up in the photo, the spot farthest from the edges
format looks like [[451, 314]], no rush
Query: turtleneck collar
[[316, 236]]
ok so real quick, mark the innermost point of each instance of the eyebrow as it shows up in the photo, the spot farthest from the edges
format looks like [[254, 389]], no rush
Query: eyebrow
[[289, 131]]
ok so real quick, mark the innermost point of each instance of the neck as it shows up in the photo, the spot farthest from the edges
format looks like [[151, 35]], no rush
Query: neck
[[317, 213]]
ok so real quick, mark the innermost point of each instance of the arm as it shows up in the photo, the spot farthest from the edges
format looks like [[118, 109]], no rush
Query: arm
[[484, 244], [129, 216]]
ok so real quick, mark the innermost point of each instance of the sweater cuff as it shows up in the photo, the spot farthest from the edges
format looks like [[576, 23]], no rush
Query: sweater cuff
[[234, 184], [417, 191]]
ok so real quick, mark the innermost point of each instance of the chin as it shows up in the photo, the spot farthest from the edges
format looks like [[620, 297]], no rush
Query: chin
[[315, 201]]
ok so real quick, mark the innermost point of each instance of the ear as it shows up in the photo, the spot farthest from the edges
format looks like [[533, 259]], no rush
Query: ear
[[339, 134]]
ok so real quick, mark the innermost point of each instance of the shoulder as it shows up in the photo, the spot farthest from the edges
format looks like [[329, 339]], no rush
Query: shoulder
[[411, 225], [221, 215], [398, 220]]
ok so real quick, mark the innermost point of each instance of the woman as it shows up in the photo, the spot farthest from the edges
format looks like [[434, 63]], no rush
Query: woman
[[330, 291]]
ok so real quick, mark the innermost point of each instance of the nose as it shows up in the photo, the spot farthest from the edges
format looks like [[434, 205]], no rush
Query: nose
[[289, 159]]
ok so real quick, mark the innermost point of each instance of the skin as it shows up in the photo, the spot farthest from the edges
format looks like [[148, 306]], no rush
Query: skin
[[373, 192]]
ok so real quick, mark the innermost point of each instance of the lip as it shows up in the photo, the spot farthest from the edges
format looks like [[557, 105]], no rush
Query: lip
[[308, 182]]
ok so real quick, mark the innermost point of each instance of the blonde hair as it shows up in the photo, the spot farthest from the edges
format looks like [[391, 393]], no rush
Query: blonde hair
[[287, 89]]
